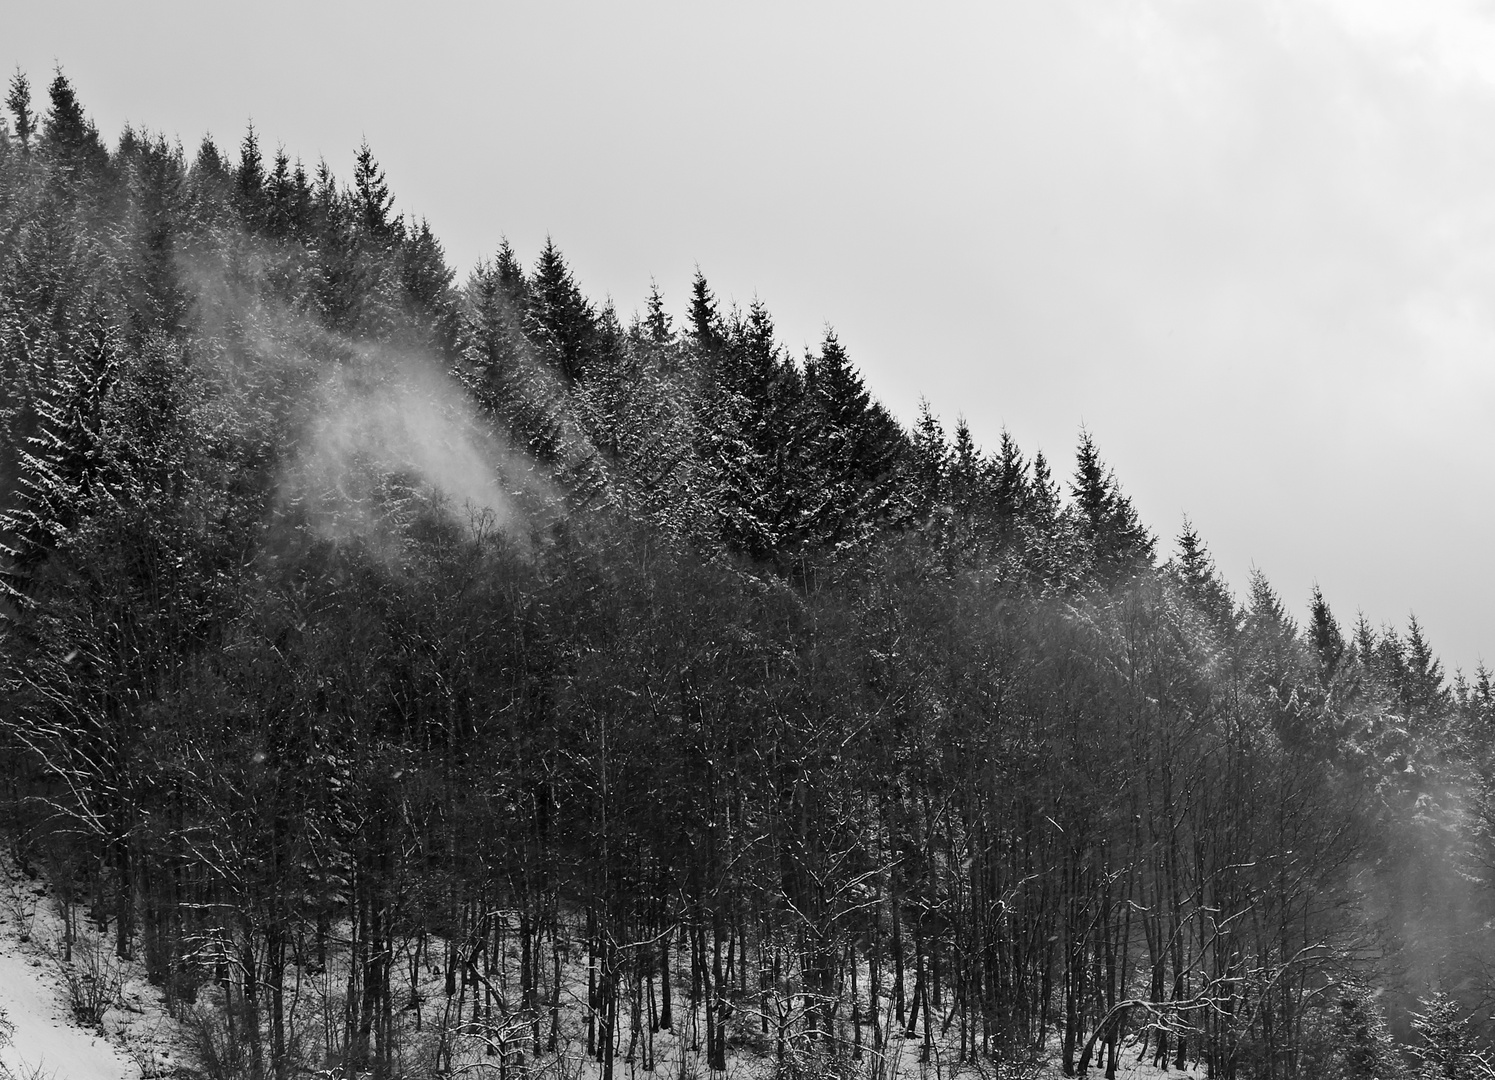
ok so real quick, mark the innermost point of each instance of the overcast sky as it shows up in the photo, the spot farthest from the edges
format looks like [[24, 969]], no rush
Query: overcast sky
[[1250, 245]]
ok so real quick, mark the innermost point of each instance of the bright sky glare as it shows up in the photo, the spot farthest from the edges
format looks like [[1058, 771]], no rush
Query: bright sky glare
[[1250, 245]]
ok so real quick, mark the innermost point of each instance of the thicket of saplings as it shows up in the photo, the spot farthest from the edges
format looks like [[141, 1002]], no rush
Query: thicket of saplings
[[414, 675]]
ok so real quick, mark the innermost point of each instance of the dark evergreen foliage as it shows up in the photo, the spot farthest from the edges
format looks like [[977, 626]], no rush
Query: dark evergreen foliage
[[1106, 519], [249, 184], [18, 101], [562, 322]]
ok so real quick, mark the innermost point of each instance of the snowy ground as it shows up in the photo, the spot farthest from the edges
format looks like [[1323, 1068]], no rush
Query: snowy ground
[[1128, 1068], [136, 1038], [138, 1041], [44, 1040]]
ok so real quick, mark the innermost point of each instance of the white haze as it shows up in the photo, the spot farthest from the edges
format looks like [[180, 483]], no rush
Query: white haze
[[378, 432], [391, 417]]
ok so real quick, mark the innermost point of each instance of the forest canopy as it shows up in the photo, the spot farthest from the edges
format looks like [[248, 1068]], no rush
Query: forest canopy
[[354, 616]]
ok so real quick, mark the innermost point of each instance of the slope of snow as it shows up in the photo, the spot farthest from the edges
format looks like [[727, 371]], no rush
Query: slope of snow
[[44, 1041], [136, 1039]]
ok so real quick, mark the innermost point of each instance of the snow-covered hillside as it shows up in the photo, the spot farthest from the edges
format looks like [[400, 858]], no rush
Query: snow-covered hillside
[[135, 1038]]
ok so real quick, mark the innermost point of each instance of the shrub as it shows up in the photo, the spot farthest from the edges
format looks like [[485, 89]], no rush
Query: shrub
[[91, 978]]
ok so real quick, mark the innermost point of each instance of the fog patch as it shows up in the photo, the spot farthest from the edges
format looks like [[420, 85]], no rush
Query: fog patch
[[390, 437], [376, 437]]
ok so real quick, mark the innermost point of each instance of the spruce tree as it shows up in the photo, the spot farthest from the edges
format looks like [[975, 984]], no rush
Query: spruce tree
[[511, 274], [249, 183], [1448, 1045], [1425, 695], [704, 332], [852, 450], [209, 192], [1325, 637], [1202, 583], [657, 321], [931, 462], [1363, 641], [759, 365], [562, 323], [968, 473], [18, 101], [372, 202], [1009, 492], [70, 138], [1107, 521], [288, 199], [426, 283]]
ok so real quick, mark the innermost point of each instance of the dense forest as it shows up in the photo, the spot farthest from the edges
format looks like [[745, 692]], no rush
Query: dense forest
[[523, 676]]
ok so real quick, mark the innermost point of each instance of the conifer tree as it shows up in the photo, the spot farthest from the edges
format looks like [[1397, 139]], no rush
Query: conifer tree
[[288, 199], [931, 461], [1388, 663], [1478, 703], [657, 320], [853, 448], [60, 469], [1043, 504], [511, 274], [969, 475], [155, 183], [1266, 616], [1106, 518], [496, 365], [752, 430], [209, 191], [1363, 641], [759, 366], [1325, 637], [704, 332], [372, 202], [69, 137], [1203, 585], [562, 323], [426, 281], [1009, 491], [18, 101], [1357, 1043], [1448, 1047], [249, 183], [1425, 695], [1272, 650]]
